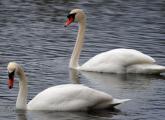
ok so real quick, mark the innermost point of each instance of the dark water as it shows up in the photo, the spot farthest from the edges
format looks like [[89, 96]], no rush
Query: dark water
[[32, 34]]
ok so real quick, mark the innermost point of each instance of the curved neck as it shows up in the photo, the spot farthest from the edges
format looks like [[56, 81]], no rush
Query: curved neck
[[78, 45], [22, 94]]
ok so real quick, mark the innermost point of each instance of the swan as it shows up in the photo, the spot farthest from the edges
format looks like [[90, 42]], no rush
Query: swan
[[68, 97], [114, 61]]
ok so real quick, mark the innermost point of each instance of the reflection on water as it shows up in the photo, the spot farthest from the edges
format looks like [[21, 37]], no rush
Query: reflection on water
[[48, 115], [130, 81], [21, 115]]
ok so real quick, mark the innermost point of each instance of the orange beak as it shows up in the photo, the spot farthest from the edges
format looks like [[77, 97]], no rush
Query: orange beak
[[11, 79], [10, 83], [69, 21]]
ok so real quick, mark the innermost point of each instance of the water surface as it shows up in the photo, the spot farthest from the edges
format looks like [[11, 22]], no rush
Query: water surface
[[32, 34]]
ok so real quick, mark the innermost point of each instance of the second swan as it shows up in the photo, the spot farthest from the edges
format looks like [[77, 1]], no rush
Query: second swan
[[113, 61]]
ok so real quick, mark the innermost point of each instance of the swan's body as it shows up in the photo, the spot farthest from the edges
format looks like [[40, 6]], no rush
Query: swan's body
[[72, 97], [122, 61], [113, 61], [69, 97]]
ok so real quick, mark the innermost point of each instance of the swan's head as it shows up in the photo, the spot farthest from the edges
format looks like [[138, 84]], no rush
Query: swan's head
[[75, 14], [12, 69]]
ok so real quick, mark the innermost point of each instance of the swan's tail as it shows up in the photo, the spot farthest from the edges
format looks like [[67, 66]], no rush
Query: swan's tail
[[119, 101], [146, 69]]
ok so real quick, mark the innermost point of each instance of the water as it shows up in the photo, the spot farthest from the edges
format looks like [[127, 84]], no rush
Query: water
[[32, 34]]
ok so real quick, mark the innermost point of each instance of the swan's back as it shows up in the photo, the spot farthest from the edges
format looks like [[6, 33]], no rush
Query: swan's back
[[116, 61], [69, 97]]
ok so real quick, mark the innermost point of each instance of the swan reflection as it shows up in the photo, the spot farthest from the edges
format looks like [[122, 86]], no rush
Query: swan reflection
[[113, 81], [128, 81], [53, 115], [21, 115]]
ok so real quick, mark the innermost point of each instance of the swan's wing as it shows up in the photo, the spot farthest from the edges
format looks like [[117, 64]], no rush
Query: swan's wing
[[116, 60], [69, 97], [146, 69], [119, 101]]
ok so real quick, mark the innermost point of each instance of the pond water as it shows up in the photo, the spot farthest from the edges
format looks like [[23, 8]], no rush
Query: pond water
[[32, 34]]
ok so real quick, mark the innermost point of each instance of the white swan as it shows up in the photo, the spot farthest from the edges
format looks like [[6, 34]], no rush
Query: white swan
[[113, 61], [69, 97]]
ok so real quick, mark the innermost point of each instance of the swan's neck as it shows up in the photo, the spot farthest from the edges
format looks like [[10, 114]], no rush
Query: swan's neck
[[78, 45], [22, 94]]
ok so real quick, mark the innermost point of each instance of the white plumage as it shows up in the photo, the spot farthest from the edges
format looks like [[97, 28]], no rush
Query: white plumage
[[72, 97], [116, 61]]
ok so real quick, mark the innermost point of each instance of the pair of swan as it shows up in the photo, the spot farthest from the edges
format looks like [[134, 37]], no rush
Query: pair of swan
[[75, 97], [68, 97], [113, 61]]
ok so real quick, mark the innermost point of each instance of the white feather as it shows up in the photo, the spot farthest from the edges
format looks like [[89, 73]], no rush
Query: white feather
[[122, 61], [71, 97]]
